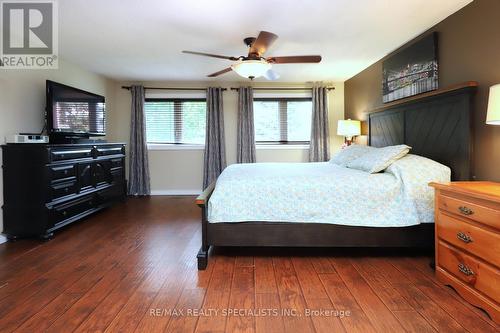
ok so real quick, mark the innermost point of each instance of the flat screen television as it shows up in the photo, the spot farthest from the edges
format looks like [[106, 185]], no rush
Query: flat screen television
[[73, 113]]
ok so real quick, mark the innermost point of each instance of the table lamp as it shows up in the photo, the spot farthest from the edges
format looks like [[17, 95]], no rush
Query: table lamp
[[493, 116], [349, 128]]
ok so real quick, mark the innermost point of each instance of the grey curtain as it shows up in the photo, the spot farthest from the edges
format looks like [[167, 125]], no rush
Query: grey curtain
[[246, 133], [138, 183], [319, 150], [215, 152]]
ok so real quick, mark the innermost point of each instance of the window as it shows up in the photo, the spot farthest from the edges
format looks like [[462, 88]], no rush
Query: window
[[282, 120], [178, 121]]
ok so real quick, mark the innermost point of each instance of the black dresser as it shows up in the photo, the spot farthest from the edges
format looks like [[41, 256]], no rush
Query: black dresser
[[49, 186]]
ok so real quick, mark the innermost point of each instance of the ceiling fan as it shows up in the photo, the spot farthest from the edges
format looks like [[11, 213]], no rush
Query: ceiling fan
[[255, 64]]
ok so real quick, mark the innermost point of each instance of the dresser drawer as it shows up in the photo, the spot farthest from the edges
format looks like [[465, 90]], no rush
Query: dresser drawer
[[67, 210], [62, 189], [62, 172], [106, 151], [478, 241], [470, 210], [117, 175], [116, 163], [70, 154], [472, 272]]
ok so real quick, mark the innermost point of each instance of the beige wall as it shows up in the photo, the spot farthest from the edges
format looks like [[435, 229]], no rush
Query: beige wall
[[469, 50], [22, 98], [180, 171]]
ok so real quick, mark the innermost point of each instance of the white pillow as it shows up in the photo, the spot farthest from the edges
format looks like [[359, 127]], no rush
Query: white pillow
[[378, 159], [350, 153]]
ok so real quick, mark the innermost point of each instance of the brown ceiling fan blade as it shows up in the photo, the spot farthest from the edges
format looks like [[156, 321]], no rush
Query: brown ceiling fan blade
[[210, 55], [262, 43], [294, 59], [220, 72]]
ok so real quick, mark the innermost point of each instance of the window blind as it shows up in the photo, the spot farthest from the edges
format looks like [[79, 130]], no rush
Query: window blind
[[87, 117], [178, 121], [282, 120]]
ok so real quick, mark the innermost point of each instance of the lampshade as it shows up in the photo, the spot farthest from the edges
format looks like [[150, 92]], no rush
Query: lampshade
[[251, 68], [493, 117], [349, 127]]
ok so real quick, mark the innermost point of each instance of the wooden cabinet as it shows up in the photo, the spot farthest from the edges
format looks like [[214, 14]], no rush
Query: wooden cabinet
[[467, 216], [49, 186]]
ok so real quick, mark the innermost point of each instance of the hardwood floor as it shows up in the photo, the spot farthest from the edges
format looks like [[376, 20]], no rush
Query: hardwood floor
[[132, 268]]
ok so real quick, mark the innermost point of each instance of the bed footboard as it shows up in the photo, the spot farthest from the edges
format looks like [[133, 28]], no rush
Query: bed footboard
[[202, 201]]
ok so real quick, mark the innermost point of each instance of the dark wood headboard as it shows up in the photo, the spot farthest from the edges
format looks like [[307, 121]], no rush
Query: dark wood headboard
[[437, 125]]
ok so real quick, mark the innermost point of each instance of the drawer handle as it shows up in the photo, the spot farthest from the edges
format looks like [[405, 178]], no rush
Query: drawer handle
[[465, 270], [464, 237], [64, 213], [65, 172], [465, 210]]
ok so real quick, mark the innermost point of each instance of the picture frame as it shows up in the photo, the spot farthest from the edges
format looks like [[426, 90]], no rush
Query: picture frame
[[412, 70]]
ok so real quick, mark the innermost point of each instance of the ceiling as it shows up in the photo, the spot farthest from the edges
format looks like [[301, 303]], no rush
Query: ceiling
[[142, 40]]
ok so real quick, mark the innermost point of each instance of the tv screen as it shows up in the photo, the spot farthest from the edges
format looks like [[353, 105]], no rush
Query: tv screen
[[74, 111]]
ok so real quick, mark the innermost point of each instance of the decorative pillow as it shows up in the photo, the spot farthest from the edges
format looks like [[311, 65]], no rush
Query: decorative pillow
[[378, 159], [350, 153]]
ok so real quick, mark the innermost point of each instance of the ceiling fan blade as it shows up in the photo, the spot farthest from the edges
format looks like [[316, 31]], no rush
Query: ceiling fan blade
[[294, 59], [224, 71], [271, 75], [211, 55], [262, 43]]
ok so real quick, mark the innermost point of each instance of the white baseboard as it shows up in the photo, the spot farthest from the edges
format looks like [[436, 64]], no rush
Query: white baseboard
[[175, 192]]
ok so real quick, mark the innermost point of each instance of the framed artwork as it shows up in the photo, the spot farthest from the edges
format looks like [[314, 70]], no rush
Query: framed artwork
[[412, 70]]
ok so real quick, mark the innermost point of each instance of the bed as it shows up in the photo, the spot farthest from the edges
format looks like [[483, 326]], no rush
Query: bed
[[325, 205]]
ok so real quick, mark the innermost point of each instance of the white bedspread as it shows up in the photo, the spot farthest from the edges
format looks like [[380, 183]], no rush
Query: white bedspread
[[327, 193]]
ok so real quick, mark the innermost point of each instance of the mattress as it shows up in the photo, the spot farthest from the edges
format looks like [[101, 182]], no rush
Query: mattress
[[327, 193]]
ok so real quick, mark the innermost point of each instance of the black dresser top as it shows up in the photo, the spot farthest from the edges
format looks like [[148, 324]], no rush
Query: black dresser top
[[51, 145]]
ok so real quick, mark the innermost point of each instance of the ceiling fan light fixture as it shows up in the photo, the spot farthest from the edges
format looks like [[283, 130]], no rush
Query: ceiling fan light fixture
[[251, 68]]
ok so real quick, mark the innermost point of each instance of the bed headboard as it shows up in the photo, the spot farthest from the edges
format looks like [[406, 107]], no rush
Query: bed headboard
[[437, 125]]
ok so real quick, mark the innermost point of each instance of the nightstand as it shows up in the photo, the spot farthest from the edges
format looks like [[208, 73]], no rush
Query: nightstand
[[467, 225]]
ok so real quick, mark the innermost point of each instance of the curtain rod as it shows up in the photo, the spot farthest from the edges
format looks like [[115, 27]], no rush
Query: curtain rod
[[171, 88], [224, 89], [288, 88]]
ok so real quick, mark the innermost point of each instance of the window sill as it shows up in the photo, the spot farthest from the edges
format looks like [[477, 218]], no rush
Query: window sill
[[281, 147], [167, 146]]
